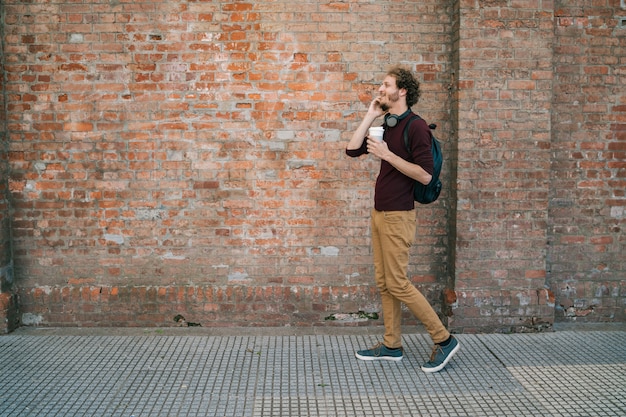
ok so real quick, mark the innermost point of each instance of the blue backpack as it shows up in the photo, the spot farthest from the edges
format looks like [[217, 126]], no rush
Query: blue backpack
[[426, 194]]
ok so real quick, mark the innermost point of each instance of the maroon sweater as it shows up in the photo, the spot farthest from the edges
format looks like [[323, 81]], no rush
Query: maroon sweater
[[394, 190]]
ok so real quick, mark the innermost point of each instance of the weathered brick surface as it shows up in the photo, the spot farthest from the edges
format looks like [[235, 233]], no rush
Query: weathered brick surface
[[9, 318], [187, 158], [4, 181], [200, 146], [504, 100], [587, 270]]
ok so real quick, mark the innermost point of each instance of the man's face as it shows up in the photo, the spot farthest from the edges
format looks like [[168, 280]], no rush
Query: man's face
[[388, 93]]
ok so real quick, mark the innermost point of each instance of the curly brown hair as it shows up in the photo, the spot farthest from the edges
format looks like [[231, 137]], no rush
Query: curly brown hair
[[405, 79]]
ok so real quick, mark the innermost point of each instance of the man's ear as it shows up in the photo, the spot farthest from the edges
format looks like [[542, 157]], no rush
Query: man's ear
[[402, 92]]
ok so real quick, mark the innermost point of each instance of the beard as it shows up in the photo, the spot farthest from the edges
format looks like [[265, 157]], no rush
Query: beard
[[391, 99]]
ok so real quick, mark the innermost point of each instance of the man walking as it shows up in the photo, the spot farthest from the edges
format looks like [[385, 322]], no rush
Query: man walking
[[393, 217]]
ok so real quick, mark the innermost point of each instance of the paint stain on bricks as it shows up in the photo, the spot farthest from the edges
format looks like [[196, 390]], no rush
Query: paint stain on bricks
[[524, 299], [171, 256], [119, 239], [324, 251], [353, 317], [6, 273], [150, 214], [301, 164], [40, 167], [30, 319], [237, 276]]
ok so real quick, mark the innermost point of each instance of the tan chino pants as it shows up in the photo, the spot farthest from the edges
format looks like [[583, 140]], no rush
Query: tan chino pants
[[393, 234]]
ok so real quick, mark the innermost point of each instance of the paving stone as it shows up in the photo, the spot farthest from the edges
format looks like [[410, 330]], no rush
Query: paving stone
[[549, 374]]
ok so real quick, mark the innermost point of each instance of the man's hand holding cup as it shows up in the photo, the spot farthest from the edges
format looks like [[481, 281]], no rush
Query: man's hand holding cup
[[376, 133]]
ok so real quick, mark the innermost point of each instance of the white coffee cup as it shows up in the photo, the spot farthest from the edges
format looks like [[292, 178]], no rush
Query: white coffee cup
[[376, 132]]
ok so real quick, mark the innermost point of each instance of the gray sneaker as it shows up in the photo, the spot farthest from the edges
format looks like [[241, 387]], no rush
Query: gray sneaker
[[379, 352], [441, 356]]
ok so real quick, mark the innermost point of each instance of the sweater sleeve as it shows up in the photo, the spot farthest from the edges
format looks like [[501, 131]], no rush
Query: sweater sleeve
[[358, 152]]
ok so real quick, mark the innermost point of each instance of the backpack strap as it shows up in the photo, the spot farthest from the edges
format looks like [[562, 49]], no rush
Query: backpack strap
[[435, 146]]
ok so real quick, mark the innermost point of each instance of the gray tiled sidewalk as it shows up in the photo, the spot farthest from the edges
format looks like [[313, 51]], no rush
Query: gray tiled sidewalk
[[267, 372]]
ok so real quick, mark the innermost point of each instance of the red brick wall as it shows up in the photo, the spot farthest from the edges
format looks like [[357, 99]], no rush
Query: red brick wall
[[503, 165], [588, 184], [188, 158]]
